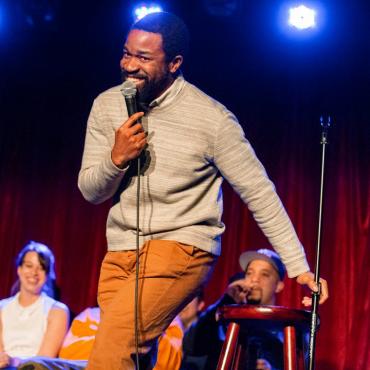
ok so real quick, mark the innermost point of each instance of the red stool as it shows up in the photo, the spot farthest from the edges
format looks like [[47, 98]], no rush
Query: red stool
[[246, 317]]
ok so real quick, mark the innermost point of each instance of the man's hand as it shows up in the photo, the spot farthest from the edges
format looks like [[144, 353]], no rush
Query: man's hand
[[238, 291], [308, 278], [130, 140]]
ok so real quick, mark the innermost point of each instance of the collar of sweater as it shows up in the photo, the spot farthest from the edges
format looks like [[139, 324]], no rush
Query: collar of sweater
[[170, 95]]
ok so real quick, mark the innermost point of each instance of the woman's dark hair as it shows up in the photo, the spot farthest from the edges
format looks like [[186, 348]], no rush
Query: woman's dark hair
[[175, 34], [47, 261], [45, 255]]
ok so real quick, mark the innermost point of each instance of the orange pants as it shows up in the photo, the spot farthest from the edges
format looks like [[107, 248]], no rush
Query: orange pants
[[170, 274]]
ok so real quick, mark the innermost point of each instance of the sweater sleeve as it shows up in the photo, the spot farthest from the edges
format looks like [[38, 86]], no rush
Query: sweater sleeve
[[98, 178], [239, 165]]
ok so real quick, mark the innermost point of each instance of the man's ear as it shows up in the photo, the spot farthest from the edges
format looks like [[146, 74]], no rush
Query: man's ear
[[279, 286], [175, 63]]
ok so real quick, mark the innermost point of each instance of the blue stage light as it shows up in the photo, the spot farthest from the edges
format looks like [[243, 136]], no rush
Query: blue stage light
[[302, 17], [143, 10]]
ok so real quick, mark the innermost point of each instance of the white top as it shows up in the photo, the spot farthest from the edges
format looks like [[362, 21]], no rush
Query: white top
[[24, 327]]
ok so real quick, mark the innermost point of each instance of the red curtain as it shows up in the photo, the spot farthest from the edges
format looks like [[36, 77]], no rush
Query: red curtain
[[39, 200]]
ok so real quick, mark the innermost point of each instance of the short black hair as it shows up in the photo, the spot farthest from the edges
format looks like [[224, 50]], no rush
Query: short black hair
[[174, 32]]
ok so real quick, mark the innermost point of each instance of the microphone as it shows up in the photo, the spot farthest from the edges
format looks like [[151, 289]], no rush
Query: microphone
[[128, 90]]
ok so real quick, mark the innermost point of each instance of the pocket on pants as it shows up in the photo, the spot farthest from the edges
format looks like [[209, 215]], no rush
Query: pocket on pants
[[165, 258]]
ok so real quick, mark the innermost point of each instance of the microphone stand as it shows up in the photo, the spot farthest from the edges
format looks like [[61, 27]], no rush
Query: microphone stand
[[316, 295]]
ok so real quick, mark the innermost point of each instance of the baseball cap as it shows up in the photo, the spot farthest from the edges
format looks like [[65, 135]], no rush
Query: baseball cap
[[266, 255]]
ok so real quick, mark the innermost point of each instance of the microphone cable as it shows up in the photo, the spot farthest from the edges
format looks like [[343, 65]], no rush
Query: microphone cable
[[128, 90], [137, 264]]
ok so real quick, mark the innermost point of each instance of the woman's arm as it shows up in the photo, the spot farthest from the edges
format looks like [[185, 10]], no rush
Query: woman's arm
[[4, 357], [1, 335], [58, 321]]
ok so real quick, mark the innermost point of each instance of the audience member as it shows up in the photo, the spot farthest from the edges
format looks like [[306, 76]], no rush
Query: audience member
[[31, 322], [262, 280]]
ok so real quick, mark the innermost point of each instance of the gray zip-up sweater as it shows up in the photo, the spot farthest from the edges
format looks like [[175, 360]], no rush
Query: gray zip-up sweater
[[193, 143]]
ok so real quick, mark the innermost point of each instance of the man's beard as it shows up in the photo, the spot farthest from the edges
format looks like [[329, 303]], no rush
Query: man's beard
[[253, 301], [149, 91], [254, 297]]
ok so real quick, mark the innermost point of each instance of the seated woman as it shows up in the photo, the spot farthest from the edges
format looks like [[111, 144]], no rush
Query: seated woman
[[31, 322]]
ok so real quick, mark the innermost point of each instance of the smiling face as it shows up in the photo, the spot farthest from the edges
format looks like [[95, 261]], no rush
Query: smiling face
[[144, 63], [263, 282], [31, 274]]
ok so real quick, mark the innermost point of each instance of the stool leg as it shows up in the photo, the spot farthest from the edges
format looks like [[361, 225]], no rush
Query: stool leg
[[237, 356], [290, 353], [229, 347]]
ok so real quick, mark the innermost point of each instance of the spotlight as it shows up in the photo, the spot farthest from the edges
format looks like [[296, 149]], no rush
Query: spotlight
[[302, 17], [143, 10]]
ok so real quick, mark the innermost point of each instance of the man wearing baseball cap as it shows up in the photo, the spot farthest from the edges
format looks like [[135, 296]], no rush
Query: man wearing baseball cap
[[264, 275], [261, 279]]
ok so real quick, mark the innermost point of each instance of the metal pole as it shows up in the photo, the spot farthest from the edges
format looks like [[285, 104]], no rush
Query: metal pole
[[316, 295]]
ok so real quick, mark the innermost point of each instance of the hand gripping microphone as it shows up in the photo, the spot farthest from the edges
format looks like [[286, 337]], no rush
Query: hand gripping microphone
[[128, 90]]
